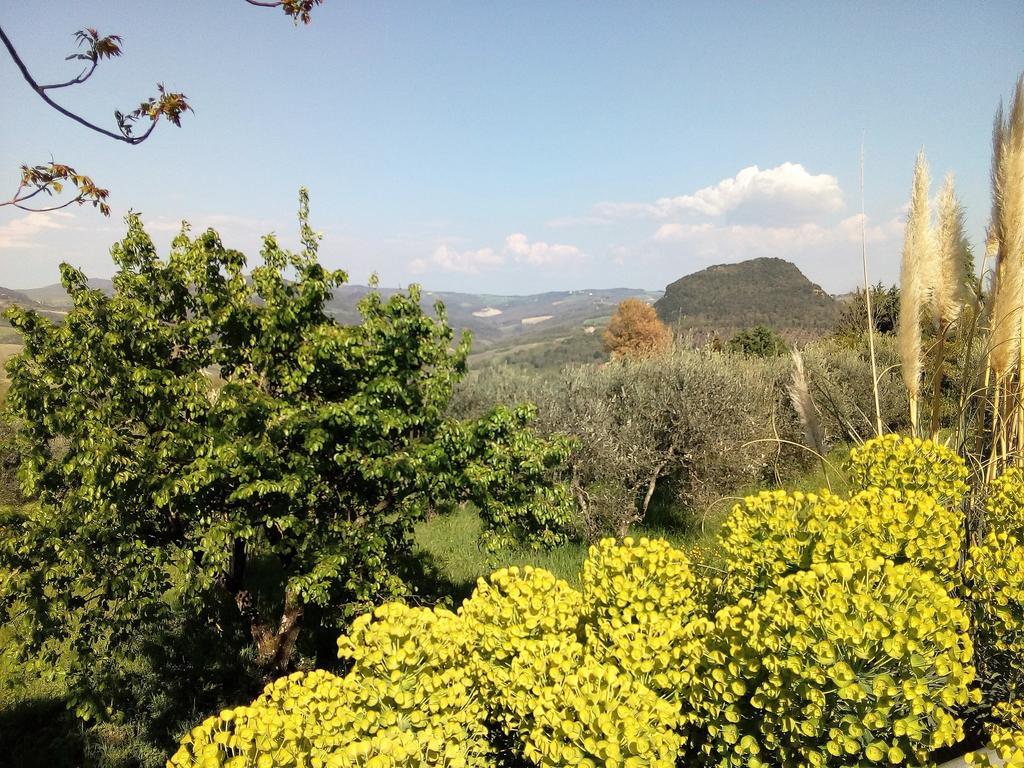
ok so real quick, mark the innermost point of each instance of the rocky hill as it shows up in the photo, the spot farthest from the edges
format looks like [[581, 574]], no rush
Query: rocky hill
[[728, 297]]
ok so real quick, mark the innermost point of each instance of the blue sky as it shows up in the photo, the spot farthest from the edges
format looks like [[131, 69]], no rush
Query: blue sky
[[517, 147]]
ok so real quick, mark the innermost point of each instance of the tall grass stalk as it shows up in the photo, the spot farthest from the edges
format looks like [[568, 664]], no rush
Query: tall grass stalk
[[867, 298]]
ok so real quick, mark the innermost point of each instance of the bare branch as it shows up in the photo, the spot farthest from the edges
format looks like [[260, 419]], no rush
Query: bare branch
[[167, 104]]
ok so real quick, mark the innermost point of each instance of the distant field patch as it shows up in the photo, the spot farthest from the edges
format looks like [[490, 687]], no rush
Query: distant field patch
[[535, 320], [487, 312]]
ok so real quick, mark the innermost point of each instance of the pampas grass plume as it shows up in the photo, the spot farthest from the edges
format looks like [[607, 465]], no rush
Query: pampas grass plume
[[800, 395], [918, 272]]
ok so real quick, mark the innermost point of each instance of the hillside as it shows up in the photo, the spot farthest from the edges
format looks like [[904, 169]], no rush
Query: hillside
[[728, 297], [495, 321]]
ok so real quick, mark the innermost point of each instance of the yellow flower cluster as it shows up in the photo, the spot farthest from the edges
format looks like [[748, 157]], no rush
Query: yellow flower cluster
[[512, 608], [568, 709], [778, 533], [408, 701], [1007, 739], [641, 612], [909, 464], [844, 662], [775, 534], [994, 576], [1004, 507]]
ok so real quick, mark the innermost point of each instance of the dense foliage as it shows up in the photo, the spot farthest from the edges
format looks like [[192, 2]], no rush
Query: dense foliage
[[885, 311], [206, 440], [759, 341], [677, 431]]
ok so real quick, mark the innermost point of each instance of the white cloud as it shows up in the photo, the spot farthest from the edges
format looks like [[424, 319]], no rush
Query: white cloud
[[539, 253], [22, 232], [452, 260], [824, 251], [786, 194]]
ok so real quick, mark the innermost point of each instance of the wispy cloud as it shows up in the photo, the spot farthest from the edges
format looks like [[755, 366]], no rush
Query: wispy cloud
[[24, 231], [518, 247]]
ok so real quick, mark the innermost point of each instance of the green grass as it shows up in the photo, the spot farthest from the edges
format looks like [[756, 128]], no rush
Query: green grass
[[33, 706], [449, 546]]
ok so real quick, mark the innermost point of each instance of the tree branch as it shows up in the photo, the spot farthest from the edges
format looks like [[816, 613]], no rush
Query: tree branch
[[170, 105], [82, 77], [299, 10], [51, 179]]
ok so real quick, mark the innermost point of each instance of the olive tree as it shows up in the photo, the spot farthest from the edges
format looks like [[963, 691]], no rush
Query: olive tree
[[226, 441]]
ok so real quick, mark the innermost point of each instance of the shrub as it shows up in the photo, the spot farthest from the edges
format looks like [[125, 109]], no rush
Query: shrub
[[759, 341], [409, 700], [284, 499], [684, 428], [842, 385], [641, 612], [994, 577], [1006, 739], [774, 534], [904, 527], [909, 464], [1004, 505], [569, 709], [777, 533], [512, 608], [636, 331], [852, 662]]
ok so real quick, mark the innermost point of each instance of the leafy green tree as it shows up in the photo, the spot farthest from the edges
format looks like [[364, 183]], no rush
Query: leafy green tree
[[759, 341], [885, 309], [228, 442]]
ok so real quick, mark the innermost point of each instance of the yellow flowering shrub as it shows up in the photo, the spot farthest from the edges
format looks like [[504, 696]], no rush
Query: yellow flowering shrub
[[1006, 739], [1004, 506], [409, 700], [640, 612], [774, 534], [568, 709], [840, 644], [851, 663], [624, 580], [994, 577], [778, 533], [909, 464], [510, 609], [905, 527]]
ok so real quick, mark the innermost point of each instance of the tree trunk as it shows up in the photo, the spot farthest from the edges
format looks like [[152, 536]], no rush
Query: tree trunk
[[652, 484], [274, 646]]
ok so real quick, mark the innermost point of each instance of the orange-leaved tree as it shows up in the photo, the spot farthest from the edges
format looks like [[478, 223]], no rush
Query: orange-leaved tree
[[636, 331]]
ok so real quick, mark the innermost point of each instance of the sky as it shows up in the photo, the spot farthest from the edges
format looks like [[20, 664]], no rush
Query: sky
[[516, 147]]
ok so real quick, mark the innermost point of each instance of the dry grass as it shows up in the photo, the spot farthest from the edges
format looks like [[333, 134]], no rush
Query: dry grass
[[7, 351]]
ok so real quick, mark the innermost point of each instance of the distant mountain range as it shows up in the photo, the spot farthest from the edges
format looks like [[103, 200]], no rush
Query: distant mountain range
[[494, 320], [565, 325]]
